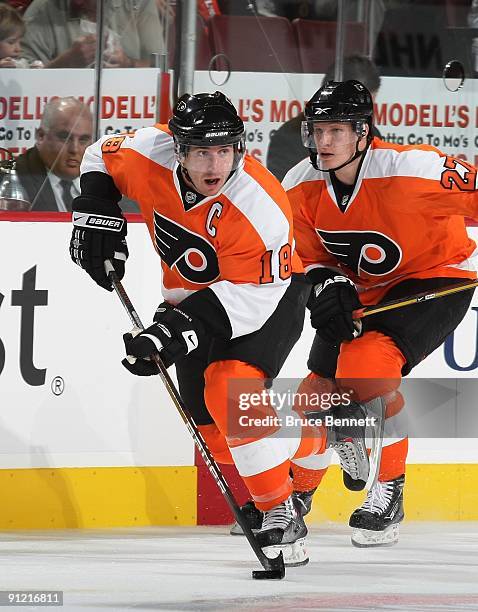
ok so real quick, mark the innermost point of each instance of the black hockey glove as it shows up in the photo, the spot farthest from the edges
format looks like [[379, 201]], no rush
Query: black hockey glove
[[331, 304], [98, 234], [173, 334]]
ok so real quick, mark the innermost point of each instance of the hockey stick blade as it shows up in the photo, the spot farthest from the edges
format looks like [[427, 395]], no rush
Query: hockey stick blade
[[425, 296], [273, 568]]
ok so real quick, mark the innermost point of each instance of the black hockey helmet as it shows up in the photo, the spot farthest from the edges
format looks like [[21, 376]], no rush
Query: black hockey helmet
[[206, 119], [338, 101]]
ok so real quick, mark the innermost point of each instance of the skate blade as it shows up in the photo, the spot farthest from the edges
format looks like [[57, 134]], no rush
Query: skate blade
[[375, 409], [294, 554], [366, 538]]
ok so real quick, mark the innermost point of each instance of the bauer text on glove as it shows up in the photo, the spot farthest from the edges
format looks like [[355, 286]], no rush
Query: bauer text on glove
[[98, 234]]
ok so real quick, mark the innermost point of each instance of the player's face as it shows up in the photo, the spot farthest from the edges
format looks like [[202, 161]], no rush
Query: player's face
[[209, 167], [62, 146], [335, 142], [10, 47]]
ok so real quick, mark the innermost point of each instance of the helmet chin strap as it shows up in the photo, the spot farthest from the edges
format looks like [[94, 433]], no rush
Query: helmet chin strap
[[185, 172], [355, 156]]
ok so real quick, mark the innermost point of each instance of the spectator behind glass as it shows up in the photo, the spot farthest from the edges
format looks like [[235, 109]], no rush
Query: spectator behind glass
[[473, 14], [166, 8], [12, 28], [62, 33], [473, 23], [50, 170], [19, 5], [285, 146]]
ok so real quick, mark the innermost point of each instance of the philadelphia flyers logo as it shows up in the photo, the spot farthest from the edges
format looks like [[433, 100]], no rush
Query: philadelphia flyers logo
[[370, 252], [190, 254]]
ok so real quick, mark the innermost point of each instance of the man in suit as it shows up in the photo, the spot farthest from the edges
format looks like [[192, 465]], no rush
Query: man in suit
[[50, 170]]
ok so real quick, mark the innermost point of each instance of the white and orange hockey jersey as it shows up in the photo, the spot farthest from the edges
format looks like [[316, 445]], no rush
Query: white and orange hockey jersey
[[404, 219], [238, 243]]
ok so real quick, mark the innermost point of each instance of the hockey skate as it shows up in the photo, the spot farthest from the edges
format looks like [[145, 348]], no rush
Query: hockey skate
[[283, 530], [376, 522], [348, 440], [304, 500], [254, 516]]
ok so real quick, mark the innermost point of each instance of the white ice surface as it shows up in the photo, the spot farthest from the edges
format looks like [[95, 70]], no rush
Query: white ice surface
[[433, 568]]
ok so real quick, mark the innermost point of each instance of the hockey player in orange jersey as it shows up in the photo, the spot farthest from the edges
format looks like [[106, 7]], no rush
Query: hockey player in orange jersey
[[372, 222], [234, 288]]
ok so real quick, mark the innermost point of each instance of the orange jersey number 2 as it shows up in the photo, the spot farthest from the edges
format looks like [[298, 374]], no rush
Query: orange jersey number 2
[[458, 173]]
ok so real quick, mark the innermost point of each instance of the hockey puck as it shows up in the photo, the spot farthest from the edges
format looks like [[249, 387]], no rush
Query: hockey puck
[[275, 574]]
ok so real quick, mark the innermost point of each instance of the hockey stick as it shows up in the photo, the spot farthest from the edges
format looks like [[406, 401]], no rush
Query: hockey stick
[[273, 568], [361, 313]]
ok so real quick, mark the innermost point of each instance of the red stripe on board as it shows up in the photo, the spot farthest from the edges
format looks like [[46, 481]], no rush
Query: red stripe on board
[[65, 217], [212, 509]]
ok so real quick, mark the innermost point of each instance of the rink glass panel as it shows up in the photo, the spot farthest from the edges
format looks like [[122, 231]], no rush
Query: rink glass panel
[[85, 421]]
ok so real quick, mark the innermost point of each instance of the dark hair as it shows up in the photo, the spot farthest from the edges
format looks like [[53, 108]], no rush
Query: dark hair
[[357, 68], [10, 22]]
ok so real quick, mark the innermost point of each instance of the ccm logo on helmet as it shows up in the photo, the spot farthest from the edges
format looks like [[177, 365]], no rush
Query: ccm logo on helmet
[[112, 224], [369, 252]]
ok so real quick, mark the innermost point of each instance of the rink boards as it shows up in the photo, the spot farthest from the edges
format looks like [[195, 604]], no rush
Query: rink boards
[[85, 444]]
